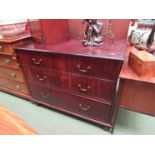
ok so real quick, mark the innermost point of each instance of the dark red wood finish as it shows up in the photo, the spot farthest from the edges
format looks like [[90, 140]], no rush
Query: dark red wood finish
[[48, 31], [83, 85], [80, 81], [75, 79], [36, 30], [119, 28], [109, 50], [86, 61], [78, 65], [83, 106]]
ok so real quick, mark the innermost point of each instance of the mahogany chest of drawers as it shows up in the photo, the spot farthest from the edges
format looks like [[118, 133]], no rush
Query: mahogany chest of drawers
[[11, 76], [77, 80]]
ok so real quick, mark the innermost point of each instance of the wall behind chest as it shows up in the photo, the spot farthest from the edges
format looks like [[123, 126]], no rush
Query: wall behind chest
[[53, 31], [119, 27]]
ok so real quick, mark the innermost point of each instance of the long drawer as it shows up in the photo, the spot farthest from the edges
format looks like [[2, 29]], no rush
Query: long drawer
[[8, 61], [74, 83], [13, 85], [9, 73], [74, 103], [89, 66]]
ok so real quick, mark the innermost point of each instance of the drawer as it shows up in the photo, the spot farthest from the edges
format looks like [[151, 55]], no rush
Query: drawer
[[92, 109], [9, 73], [6, 48], [49, 96], [9, 61], [74, 103], [95, 67], [39, 76], [48, 78], [35, 59], [19, 87], [83, 85]]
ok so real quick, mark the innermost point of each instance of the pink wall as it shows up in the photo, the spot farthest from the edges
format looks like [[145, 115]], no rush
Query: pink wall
[[119, 27]]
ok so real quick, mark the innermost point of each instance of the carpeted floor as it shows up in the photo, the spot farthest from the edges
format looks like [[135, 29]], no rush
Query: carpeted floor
[[46, 121]]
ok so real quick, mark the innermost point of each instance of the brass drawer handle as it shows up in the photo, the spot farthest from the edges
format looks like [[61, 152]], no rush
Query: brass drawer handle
[[83, 89], [13, 75], [7, 61], [37, 62], [18, 87], [84, 108], [44, 96], [83, 70], [41, 78]]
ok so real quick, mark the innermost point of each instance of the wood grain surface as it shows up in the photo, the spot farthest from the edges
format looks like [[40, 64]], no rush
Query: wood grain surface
[[10, 124], [136, 92]]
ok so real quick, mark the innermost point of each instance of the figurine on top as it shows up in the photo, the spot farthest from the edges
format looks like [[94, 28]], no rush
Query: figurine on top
[[92, 33]]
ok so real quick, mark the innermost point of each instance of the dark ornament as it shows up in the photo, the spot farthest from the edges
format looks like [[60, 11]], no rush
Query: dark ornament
[[92, 33]]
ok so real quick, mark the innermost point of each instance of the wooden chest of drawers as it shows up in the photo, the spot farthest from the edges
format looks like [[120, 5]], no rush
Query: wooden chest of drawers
[[8, 60], [11, 76], [78, 80]]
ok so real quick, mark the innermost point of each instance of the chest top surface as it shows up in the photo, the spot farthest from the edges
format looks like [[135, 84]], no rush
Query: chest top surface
[[109, 50]]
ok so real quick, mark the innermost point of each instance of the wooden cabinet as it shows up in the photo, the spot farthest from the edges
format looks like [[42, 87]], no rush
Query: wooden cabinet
[[64, 75], [16, 87], [78, 80], [11, 76], [8, 60], [136, 93]]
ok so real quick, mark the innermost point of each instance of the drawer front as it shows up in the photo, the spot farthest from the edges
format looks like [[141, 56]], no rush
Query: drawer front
[[83, 85], [74, 103], [39, 76], [9, 61], [19, 87], [74, 83], [49, 96], [48, 78], [92, 109], [6, 48], [35, 59], [96, 67], [13, 74]]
